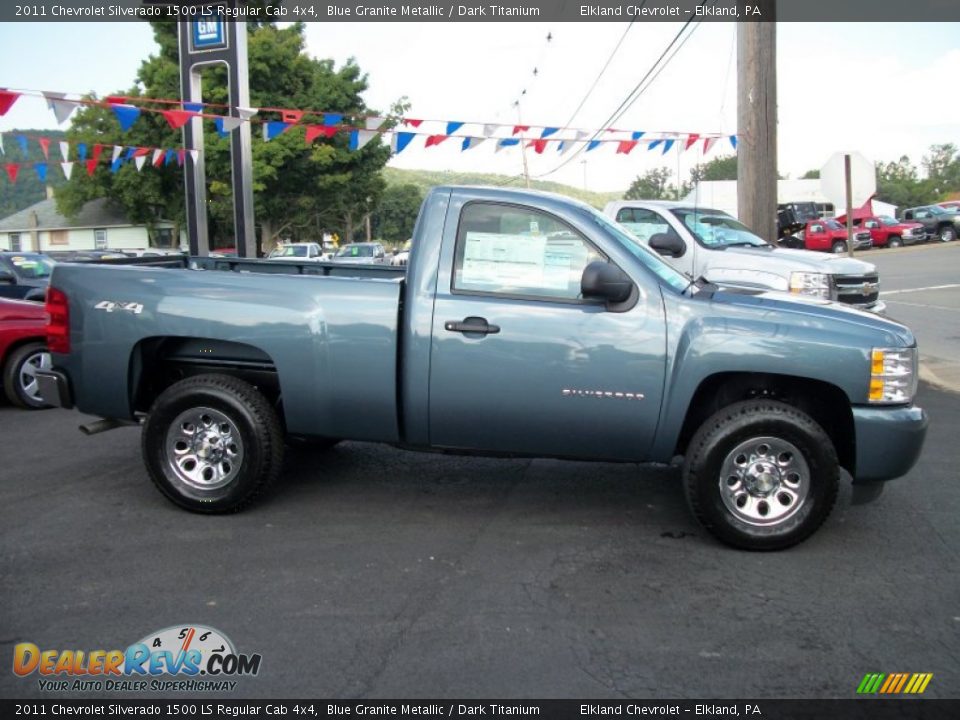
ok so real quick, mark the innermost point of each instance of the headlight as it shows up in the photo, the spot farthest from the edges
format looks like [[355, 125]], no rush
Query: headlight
[[810, 283], [893, 375]]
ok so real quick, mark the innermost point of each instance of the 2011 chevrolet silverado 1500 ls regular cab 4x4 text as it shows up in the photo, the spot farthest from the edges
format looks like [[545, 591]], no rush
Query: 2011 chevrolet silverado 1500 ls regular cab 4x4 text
[[524, 324]]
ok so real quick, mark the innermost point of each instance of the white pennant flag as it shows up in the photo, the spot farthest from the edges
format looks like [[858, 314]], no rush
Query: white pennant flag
[[374, 123], [117, 149], [194, 155], [707, 144], [364, 136], [65, 150], [471, 142], [157, 154], [489, 130], [246, 113], [2, 151], [61, 108], [229, 124], [67, 168], [139, 160], [567, 145]]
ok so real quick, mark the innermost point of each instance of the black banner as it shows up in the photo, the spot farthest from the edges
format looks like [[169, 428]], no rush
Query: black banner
[[853, 11], [872, 709]]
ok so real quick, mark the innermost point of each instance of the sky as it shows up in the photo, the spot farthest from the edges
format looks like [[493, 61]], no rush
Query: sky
[[884, 90]]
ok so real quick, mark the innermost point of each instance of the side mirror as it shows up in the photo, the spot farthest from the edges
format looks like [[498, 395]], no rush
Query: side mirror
[[605, 281], [6, 277], [668, 244]]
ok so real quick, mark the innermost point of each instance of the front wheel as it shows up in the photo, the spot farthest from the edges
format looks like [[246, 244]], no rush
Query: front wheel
[[947, 234], [839, 247], [761, 475], [20, 375], [212, 443], [894, 242]]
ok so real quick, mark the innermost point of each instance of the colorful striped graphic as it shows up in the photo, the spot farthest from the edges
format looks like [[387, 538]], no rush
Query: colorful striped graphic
[[894, 683]]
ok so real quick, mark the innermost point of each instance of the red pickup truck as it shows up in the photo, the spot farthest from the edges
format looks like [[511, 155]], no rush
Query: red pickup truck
[[831, 236], [23, 350], [890, 232]]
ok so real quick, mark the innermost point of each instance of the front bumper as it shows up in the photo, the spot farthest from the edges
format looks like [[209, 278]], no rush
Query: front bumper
[[889, 441], [55, 388]]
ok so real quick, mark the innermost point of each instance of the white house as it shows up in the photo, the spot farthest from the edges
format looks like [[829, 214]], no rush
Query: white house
[[98, 226]]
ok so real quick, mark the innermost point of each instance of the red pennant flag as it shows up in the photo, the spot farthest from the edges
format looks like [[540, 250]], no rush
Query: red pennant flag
[[45, 146], [691, 139], [411, 121], [538, 145], [177, 118], [292, 116], [435, 140], [115, 99], [181, 154], [97, 149], [520, 129], [12, 170], [315, 131], [7, 99], [140, 152], [91, 167], [625, 146], [158, 157]]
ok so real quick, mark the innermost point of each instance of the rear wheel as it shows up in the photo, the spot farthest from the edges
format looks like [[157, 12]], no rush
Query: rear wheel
[[212, 443], [839, 247], [761, 475], [947, 234], [894, 242], [20, 375]]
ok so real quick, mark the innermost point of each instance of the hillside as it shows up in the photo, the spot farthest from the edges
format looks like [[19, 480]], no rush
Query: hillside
[[28, 189], [426, 179]]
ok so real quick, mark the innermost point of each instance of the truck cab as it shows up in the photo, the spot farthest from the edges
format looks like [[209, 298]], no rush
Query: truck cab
[[886, 231], [831, 236]]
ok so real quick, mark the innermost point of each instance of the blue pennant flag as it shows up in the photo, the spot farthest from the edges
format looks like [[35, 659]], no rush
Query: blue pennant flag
[[22, 139], [129, 154], [593, 145], [82, 151], [274, 128], [219, 124], [403, 139], [733, 141], [354, 140], [332, 119], [126, 115], [115, 165], [193, 107], [636, 135], [452, 127], [653, 144], [507, 142], [547, 132], [170, 157], [667, 144], [41, 171]]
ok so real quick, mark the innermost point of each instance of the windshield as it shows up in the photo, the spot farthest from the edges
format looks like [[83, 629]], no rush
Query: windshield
[[937, 210], [649, 259], [290, 251], [355, 251], [32, 266], [887, 220], [717, 230]]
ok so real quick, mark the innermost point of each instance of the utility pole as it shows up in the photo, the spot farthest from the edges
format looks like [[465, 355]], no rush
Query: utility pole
[[757, 122], [523, 147]]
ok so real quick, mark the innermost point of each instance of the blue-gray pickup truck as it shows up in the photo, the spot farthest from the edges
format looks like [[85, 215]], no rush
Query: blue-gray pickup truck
[[525, 324]]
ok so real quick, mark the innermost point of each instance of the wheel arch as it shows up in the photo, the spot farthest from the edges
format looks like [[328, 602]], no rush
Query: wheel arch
[[826, 403]]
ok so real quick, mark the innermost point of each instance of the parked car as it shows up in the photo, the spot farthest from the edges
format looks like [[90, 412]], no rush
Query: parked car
[[950, 205], [361, 253], [23, 351], [938, 223], [886, 231], [298, 251], [24, 275], [710, 244], [831, 236], [525, 324]]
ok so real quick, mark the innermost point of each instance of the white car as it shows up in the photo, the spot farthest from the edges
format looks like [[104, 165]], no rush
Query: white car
[[310, 251]]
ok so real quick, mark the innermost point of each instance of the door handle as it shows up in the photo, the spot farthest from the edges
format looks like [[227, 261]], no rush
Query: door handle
[[472, 325]]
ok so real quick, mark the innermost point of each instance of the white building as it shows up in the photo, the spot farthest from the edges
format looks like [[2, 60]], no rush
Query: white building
[[722, 195], [98, 226]]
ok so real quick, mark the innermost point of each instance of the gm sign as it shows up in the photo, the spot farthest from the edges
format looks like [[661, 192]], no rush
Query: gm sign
[[208, 34]]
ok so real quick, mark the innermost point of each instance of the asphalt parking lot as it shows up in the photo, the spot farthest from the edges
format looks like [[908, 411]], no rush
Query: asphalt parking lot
[[371, 572]]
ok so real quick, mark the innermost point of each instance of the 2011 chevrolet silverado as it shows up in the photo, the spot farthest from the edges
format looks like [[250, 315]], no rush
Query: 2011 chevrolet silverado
[[525, 324]]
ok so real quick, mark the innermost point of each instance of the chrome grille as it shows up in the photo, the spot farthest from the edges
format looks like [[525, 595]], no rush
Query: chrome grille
[[860, 290]]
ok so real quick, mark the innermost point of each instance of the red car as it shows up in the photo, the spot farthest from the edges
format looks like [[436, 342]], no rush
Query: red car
[[830, 236], [890, 232], [23, 350]]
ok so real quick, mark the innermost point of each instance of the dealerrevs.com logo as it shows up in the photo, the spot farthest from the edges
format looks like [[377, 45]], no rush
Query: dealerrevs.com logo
[[177, 658]]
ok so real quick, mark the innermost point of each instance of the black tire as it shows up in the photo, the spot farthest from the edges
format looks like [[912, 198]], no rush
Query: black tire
[[839, 247], [894, 242], [947, 234], [254, 434], [19, 390], [718, 442]]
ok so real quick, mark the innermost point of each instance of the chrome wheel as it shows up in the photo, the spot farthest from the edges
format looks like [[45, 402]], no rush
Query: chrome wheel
[[27, 377], [764, 481], [203, 449]]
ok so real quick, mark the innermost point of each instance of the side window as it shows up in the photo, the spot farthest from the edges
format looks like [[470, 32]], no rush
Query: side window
[[100, 239], [643, 223], [908, 215], [625, 215], [922, 215], [15, 242], [816, 228], [507, 250]]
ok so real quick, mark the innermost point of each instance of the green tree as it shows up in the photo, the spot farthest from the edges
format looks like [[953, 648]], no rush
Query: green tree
[[942, 164], [721, 168], [899, 184], [395, 217], [298, 191], [652, 185], [811, 175], [29, 189]]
